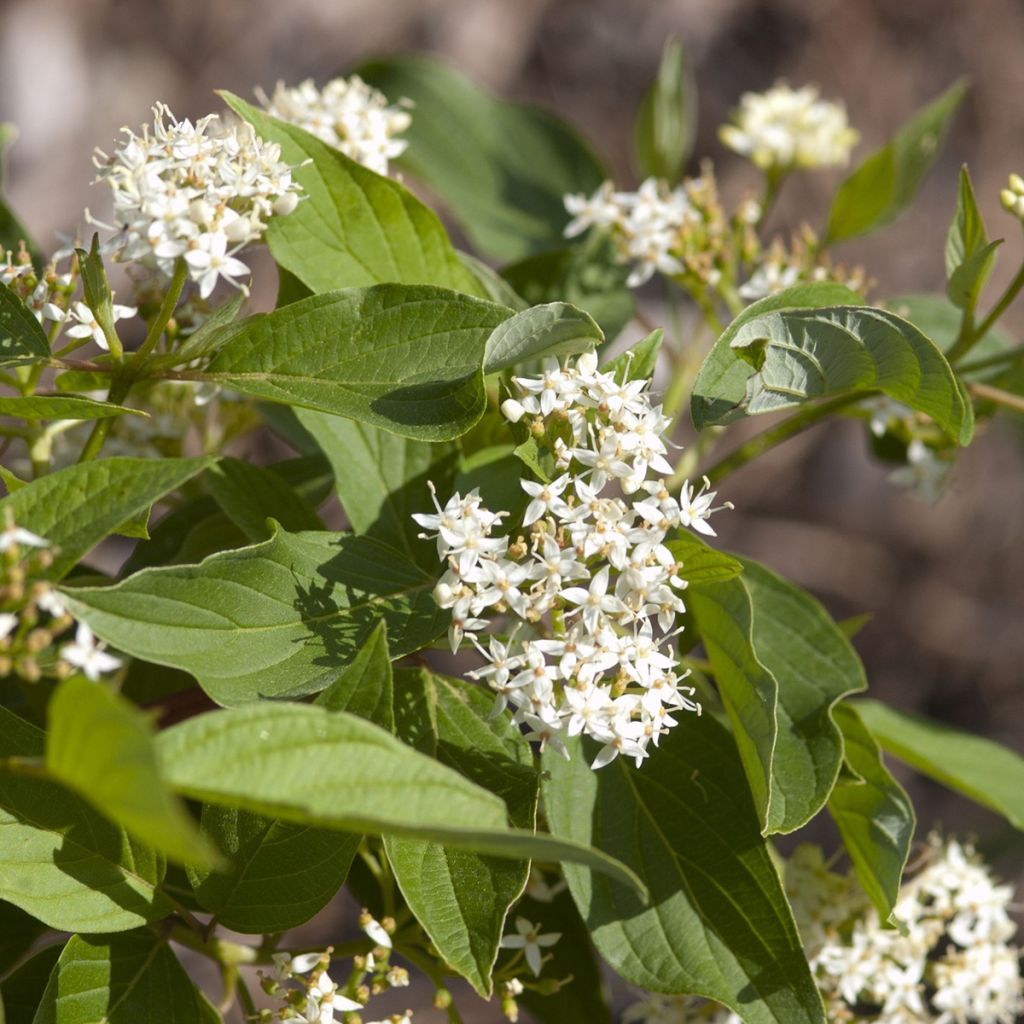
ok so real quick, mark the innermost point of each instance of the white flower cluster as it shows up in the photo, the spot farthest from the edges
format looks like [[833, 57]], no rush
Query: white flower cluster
[[647, 224], [785, 128], [589, 576], [347, 114], [950, 962], [198, 192]]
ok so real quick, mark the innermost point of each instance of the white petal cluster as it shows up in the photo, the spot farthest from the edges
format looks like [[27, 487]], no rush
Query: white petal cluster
[[785, 128], [647, 224], [586, 577], [347, 114], [951, 962], [200, 192]]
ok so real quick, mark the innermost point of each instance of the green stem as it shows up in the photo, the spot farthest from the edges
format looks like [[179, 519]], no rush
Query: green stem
[[970, 338], [245, 996], [166, 311], [783, 431], [118, 393], [1002, 357], [1004, 398], [773, 179]]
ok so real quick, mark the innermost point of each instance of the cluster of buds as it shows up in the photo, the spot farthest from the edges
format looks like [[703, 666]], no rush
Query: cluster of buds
[[1012, 197], [347, 114], [306, 992], [784, 128], [33, 616], [587, 574]]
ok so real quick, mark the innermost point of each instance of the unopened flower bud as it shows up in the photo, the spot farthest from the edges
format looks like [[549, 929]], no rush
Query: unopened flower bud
[[512, 410], [442, 999], [38, 640], [285, 204]]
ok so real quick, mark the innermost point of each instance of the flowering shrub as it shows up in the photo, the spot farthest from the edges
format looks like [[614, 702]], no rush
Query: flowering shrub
[[523, 708]]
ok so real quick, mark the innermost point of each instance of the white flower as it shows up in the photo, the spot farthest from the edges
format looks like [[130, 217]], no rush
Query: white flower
[[85, 325], [696, 508], [8, 623], [16, 536], [347, 114], [374, 930], [530, 942], [211, 261], [86, 654], [784, 128], [602, 210]]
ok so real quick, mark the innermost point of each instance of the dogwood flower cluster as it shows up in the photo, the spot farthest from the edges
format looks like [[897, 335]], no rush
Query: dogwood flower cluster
[[950, 961], [587, 574], [199, 192], [33, 615], [1012, 197], [347, 114], [785, 128]]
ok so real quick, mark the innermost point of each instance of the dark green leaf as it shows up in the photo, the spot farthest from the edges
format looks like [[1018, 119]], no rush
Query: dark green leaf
[[18, 932], [460, 897], [501, 168], [124, 979], [795, 355], [22, 990], [77, 507], [988, 773], [250, 495], [273, 620], [353, 227], [667, 119], [64, 863], [873, 813], [555, 329], [365, 687], [718, 924], [62, 407], [101, 746], [969, 255], [22, 339], [884, 185], [312, 766]]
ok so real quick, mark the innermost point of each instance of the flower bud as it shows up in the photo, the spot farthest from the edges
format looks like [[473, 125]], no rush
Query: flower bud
[[512, 410], [285, 204]]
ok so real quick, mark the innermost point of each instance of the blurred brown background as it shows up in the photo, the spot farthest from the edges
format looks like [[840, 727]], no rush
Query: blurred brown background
[[943, 582]]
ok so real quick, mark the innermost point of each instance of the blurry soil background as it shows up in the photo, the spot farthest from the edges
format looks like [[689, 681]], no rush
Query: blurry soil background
[[944, 582]]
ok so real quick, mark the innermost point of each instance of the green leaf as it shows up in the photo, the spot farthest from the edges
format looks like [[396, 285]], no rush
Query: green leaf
[[22, 990], [718, 924], [702, 564], [22, 339], [555, 329], [381, 479], [124, 979], [273, 620], [782, 664], [986, 772], [365, 686], [312, 766], [969, 255], [460, 897], [885, 184], [588, 274], [250, 495], [207, 340], [97, 291], [404, 358], [353, 228], [496, 471], [505, 179], [101, 746], [795, 355], [18, 933], [666, 122], [63, 862], [281, 874], [874, 815], [493, 285], [77, 507], [639, 361], [62, 407]]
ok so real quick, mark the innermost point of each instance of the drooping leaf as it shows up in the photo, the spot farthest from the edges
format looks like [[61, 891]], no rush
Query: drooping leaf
[[718, 924], [77, 507], [782, 664], [251, 494], [101, 746], [272, 620], [969, 255], [460, 897], [795, 355], [986, 772], [313, 766], [365, 686], [381, 479], [667, 119], [501, 168], [22, 339], [874, 814], [132, 978], [354, 228], [280, 873], [62, 407], [885, 183], [588, 274], [23, 989], [63, 862]]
